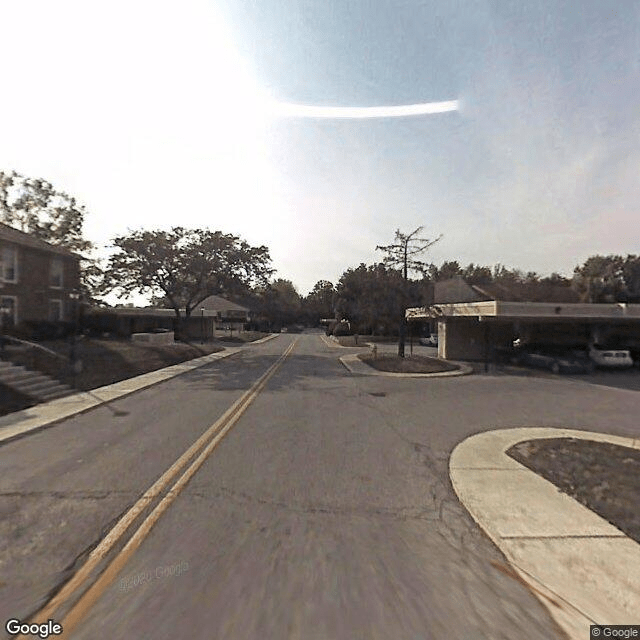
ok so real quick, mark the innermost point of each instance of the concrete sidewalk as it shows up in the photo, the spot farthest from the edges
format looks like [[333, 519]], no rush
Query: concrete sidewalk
[[582, 568], [42, 415]]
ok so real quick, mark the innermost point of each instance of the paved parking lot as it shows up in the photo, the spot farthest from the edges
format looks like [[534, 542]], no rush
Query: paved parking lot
[[618, 379]]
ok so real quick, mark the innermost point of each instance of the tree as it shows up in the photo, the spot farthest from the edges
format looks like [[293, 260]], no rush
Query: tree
[[448, 269], [320, 302], [402, 253], [600, 279], [609, 278], [185, 266], [476, 274], [34, 206], [279, 303], [368, 296], [631, 275]]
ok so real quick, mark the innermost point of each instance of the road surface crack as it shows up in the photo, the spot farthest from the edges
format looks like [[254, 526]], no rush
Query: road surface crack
[[395, 513], [67, 495]]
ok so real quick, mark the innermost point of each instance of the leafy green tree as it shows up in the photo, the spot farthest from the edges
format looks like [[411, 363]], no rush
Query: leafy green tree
[[320, 302], [448, 269], [279, 303], [33, 205], [600, 279], [372, 298], [631, 275], [476, 274], [184, 266]]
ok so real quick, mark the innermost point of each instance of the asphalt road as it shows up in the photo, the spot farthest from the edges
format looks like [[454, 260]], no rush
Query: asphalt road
[[326, 512]]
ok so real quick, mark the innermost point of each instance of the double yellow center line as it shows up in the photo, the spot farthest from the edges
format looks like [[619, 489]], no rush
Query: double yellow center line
[[201, 448]]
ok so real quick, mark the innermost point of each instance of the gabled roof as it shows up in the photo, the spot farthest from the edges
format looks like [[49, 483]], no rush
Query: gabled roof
[[218, 303], [526, 292], [457, 290], [9, 234]]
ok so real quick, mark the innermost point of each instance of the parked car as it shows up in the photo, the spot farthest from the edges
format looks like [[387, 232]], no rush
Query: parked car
[[430, 341], [556, 359], [603, 357]]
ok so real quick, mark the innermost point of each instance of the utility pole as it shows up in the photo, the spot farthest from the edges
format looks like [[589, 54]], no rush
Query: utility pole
[[401, 254]]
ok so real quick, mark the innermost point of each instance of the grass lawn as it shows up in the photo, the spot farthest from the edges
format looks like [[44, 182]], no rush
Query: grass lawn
[[105, 361], [409, 364]]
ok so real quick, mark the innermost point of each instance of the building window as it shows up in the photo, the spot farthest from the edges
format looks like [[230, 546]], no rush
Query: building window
[[9, 257], [8, 311], [55, 311], [55, 279]]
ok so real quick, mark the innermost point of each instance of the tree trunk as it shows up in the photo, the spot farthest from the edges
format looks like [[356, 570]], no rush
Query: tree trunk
[[402, 337]]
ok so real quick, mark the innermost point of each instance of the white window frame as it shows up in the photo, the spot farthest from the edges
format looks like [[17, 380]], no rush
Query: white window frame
[[60, 261], [15, 306], [59, 301], [15, 263]]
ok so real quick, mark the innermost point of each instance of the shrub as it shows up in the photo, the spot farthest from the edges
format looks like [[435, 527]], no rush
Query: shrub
[[46, 330], [330, 327], [342, 329]]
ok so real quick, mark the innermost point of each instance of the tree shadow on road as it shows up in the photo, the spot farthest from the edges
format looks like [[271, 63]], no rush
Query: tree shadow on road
[[240, 372]]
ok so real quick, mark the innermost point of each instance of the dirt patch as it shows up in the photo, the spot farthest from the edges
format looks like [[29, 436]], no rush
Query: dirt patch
[[409, 364], [603, 477]]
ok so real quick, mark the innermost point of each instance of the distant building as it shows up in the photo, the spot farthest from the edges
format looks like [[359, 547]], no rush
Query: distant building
[[36, 278], [212, 313], [225, 311], [472, 321]]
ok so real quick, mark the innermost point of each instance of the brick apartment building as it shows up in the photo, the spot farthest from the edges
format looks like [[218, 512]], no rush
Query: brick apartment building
[[36, 278]]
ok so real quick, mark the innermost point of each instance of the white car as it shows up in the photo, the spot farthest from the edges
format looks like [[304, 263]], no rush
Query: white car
[[430, 341], [610, 357]]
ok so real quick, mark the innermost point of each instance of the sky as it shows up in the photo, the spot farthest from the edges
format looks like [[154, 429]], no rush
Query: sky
[[157, 114]]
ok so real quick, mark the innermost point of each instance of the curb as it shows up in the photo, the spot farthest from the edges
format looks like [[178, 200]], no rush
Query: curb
[[265, 339], [41, 416], [353, 364], [332, 343], [582, 568]]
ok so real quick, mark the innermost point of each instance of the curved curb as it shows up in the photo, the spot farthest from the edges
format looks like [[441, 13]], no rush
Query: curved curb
[[353, 364], [582, 568]]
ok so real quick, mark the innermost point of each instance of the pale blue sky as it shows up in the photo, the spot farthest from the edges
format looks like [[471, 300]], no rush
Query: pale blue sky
[[155, 113]]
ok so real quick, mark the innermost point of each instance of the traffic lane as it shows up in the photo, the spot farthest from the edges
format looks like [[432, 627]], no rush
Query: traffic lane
[[438, 413], [315, 518], [620, 379], [61, 489]]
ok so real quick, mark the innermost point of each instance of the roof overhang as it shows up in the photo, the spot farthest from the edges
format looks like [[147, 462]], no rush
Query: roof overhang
[[534, 311]]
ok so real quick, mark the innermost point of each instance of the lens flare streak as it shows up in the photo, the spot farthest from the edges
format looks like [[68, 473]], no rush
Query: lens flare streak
[[290, 110]]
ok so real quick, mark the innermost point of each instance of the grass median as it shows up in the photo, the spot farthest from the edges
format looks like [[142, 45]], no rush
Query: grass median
[[409, 364], [604, 477]]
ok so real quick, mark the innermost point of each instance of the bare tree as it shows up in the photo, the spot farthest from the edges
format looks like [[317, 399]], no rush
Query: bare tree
[[403, 254]]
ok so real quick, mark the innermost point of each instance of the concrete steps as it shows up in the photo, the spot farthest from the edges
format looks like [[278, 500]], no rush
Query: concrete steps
[[36, 385]]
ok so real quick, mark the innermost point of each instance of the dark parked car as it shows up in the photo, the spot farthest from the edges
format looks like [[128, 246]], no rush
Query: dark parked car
[[556, 359]]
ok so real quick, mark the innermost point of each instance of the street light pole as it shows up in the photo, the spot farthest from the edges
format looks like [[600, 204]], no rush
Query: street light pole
[[202, 324], [3, 326], [76, 364]]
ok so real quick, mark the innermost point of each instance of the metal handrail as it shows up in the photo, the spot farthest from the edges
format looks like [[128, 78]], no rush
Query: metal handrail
[[37, 346]]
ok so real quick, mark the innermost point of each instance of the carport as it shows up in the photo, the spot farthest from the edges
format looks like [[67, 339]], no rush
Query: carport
[[473, 330]]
